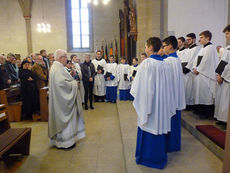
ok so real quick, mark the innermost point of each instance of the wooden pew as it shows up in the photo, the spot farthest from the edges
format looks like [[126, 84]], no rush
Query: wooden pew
[[12, 140], [13, 108], [44, 104]]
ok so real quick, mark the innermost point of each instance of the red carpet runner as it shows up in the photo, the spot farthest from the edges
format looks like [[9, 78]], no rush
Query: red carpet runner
[[214, 134]]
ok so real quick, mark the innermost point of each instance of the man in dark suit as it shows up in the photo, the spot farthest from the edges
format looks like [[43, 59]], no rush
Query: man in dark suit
[[11, 69], [88, 74], [4, 77], [45, 59]]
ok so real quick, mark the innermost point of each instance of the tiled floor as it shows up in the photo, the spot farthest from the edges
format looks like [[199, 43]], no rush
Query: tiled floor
[[108, 148]]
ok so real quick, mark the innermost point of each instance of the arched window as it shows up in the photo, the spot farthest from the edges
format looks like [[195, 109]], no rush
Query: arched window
[[79, 26]]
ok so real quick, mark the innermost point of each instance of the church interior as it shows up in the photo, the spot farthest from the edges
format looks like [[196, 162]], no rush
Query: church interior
[[119, 28]]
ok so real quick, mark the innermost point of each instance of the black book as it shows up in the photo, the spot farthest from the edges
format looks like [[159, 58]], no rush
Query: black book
[[126, 77], [134, 73], [199, 60], [220, 67], [185, 70], [108, 74]]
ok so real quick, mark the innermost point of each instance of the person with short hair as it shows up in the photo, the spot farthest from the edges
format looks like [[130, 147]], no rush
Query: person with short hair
[[10, 68], [174, 136], [143, 56], [45, 59], [181, 51], [66, 122], [88, 74], [40, 72], [204, 67], [223, 84], [123, 80], [5, 80], [99, 83], [153, 103], [111, 79]]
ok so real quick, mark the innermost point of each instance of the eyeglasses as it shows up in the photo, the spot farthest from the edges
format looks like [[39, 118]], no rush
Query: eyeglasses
[[163, 46]]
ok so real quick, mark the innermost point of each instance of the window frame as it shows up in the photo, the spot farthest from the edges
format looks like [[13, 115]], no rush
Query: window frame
[[70, 31]]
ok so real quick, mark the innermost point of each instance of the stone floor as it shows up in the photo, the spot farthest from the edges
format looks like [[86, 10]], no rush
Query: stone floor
[[108, 148]]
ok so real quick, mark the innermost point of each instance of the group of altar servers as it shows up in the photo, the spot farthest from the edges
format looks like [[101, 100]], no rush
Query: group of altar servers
[[171, 78]]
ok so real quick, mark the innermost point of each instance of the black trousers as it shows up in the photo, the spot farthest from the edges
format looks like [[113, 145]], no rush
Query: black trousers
[[88, 86]]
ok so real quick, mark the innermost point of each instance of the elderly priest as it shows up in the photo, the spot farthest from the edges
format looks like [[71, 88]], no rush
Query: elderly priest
[[66, 124]]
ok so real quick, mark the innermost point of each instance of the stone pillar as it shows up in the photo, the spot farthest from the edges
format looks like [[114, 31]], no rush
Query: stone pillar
[[152, 20], [28, 34]]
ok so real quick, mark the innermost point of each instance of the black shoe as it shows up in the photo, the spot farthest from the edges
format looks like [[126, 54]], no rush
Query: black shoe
[[91, 107], [221, 123], [86, 107]]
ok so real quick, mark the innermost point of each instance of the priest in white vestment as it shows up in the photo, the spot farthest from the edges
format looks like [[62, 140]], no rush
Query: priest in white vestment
[[99, 81], [204, 67], [66, 123], [174, 137], [123, 80], [223, 86], [154, 105], [76, 61], [187, 64]]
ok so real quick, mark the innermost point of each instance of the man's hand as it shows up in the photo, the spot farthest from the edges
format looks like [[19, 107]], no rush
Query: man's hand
[[9, 81], [91, 79], [195, 72], [219, 79], [30, 79], [108, 78]]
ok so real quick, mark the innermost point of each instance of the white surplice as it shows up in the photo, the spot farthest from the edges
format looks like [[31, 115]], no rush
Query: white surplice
[[204, 86], [111, 68], [121, 70], [153, 100], [99, 80], [66, 123], [223, 90]]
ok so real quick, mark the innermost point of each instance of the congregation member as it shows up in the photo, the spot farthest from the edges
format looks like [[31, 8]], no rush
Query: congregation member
[[40, 72], [187, 64], [5, 80], [88, 74], [132, 73], [99, 83], [223, 84], [15, 66], [29, 92], [10, 68], [76, 62], [51, 59], [174, 136], [123, 80], [45, 59], [66, 123], [33, 58], [152, 94], [111, 80], [204, 67]]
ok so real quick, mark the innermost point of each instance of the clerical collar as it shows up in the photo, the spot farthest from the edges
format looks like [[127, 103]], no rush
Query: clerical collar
[[99, 59], [207, 44], [174, 54], [194, 45], [135, 65], [156, 57], [182, 49]]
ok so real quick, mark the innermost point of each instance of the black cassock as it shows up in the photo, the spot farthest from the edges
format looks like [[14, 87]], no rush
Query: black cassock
[[29, 93]]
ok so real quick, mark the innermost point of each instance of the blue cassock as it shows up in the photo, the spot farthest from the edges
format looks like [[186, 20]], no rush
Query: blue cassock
[[173, 138], [151, 149]]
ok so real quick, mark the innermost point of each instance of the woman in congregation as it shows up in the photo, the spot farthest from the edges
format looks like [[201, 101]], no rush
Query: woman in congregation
[[29, 92]]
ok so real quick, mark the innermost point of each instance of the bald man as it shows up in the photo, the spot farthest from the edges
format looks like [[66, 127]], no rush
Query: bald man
[[66, 123]]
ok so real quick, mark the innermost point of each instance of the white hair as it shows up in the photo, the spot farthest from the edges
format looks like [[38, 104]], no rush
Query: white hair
[[59, 53]]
